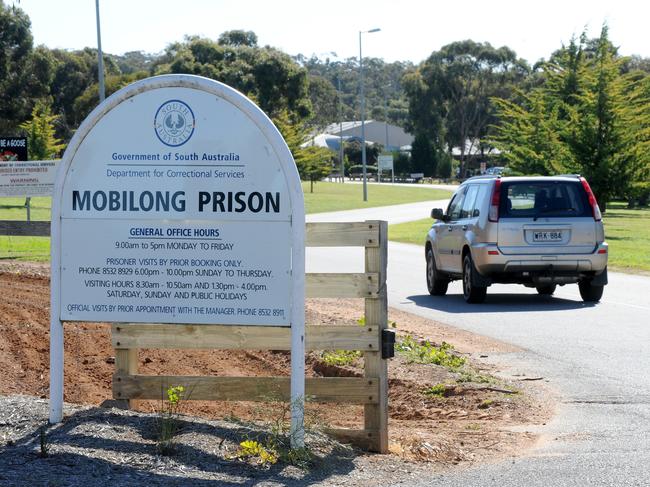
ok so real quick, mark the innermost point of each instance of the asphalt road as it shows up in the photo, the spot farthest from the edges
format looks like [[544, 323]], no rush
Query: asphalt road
[[595, 356]]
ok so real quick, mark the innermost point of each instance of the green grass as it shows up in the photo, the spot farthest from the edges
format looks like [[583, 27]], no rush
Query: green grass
[[628, 235], [14, 209], [35, 249], [439, 390], [627, 232], [347, 196], [414, 232]]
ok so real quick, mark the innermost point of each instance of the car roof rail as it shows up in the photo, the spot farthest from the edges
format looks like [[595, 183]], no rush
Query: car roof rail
[[484, 176], [568, 176]]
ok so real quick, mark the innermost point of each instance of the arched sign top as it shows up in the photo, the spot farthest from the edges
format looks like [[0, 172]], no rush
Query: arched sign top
[[179, 130]]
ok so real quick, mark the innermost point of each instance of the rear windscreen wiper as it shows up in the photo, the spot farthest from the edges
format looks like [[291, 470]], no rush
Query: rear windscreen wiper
[[550, 210]]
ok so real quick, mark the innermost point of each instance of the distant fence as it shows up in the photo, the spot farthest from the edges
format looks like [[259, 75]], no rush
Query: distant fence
[[24, 229]]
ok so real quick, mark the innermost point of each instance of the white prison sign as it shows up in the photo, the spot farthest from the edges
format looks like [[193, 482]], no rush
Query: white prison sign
[[176, 207], [178, 201]]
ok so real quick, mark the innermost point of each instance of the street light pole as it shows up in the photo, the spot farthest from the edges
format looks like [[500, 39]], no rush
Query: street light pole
[[100, 58], [363, 115], [341, 152], [386, 116], [386, 126]]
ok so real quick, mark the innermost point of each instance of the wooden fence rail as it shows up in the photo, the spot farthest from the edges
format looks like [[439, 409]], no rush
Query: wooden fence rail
[[25, 229]]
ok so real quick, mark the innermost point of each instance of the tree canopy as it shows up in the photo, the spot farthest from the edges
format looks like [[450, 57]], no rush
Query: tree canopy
[[238, 38], [15, 58], [449, 94], [268, 76], [589, 115], [43, 144]]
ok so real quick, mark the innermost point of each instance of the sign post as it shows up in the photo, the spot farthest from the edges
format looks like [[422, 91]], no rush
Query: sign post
[[178, 201]]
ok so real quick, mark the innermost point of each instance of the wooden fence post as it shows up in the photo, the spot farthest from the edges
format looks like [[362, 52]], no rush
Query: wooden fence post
[[376, 316], [126, 363]]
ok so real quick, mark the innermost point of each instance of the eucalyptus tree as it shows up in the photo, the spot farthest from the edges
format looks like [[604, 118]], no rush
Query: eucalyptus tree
[[449, 93], [384, 93]]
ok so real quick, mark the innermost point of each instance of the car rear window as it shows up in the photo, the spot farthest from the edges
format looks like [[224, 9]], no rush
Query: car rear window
[[531, 199]]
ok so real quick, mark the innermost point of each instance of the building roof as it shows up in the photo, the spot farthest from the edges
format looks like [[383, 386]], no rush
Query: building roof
[[330, 141], [391, 136], [334, 128]]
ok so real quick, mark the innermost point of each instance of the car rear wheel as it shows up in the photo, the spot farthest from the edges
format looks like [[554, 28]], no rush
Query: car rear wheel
[[471, 293], [546, 290], [435, 285], [589, 292]]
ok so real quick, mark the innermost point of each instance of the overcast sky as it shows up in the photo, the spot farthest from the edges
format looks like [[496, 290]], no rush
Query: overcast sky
[[410, 30]]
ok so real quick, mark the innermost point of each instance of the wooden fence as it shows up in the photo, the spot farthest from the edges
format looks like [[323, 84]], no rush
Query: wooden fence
[[20, 228], [371, 390]]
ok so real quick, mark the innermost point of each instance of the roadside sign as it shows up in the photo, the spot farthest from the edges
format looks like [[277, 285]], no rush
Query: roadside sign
[[27, 178], [13, 149], [178, 201], [175, 208], [385, 162]]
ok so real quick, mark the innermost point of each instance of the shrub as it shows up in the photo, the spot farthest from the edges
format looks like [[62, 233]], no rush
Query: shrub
[[638, 194]]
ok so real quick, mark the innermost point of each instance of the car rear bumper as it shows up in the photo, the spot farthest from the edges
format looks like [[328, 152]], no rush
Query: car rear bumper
[[489, 261]]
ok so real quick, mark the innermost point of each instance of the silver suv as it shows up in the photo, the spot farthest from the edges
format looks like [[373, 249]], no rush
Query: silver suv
[[535, 231]]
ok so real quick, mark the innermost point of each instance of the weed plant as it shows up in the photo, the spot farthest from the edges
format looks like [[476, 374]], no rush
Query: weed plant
[[340, 357], [439, 390], [168, 423], [427, 353], [272, 446]]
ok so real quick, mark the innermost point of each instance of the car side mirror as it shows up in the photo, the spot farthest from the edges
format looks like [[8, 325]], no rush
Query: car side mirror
[[438, 214]]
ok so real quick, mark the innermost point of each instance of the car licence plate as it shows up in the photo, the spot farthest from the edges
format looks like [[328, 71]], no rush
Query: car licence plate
[[549, 236]]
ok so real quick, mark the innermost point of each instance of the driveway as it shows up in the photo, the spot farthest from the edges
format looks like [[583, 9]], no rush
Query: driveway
[[392, 214]]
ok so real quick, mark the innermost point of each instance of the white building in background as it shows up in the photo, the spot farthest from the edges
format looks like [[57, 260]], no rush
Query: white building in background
[[376, 133]]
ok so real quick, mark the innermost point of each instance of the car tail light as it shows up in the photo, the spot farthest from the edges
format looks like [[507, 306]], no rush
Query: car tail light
[[493, 215], [602, 251], [595, 209]]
